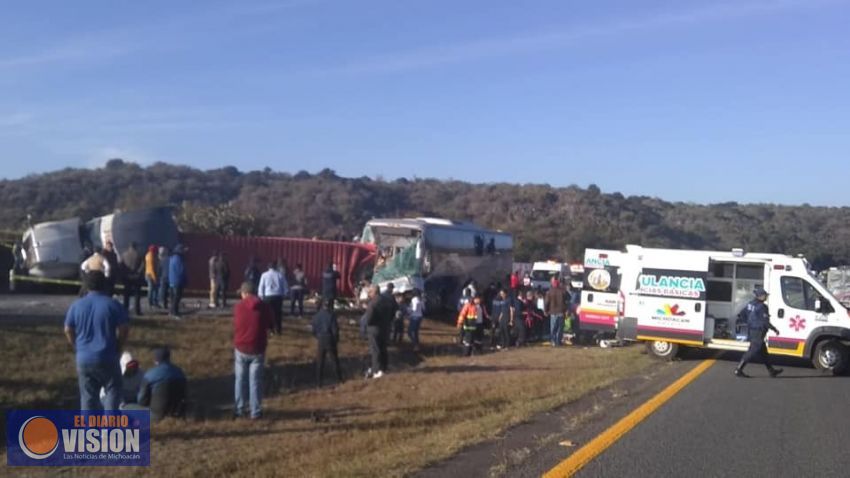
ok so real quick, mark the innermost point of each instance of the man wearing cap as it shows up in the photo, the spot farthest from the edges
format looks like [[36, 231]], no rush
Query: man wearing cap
[[97, 327], [163, 387], [758, 323]]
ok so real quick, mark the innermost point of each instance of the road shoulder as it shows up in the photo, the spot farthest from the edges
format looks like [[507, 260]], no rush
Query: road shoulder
[[532, 448]]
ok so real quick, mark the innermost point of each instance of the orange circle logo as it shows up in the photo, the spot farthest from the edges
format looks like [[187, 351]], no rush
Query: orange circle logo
[[38, 438]]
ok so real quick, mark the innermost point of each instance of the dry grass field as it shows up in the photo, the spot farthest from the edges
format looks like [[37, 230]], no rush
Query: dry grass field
[[429, 406]]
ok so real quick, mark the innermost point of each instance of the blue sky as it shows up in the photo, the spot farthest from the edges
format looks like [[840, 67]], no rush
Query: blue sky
[[703, 101]]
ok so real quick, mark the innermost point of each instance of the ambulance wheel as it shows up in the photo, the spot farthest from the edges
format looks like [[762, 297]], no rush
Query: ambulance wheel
[[662, 349], [831, 356]]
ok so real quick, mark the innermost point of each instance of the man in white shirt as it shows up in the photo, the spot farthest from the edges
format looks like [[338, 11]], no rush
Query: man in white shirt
[[417, 310], [97, 262], [273, 288]]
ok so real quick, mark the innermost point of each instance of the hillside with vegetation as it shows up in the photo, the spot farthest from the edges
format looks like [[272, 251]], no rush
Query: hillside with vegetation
[[546, 221]]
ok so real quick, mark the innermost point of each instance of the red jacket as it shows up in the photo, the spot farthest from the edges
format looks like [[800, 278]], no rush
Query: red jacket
[[514, 281], [252, 320]]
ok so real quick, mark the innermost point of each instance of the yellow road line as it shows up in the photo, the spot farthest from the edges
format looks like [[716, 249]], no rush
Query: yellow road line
[[588, 452]]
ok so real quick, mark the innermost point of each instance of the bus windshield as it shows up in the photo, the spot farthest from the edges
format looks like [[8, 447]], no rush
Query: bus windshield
[[398, 251]]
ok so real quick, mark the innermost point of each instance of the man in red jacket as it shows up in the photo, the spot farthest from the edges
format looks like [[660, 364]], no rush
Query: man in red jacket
[[252, 321]]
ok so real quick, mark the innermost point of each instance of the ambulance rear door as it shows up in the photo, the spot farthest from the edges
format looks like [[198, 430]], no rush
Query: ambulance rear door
[[668, 298], [600, 295]]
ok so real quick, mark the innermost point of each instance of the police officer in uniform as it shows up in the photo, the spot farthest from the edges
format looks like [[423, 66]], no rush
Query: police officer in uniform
[[758, 323]]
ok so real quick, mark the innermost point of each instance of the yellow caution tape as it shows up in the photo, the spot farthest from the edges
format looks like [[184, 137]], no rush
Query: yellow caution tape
[[76, 283]]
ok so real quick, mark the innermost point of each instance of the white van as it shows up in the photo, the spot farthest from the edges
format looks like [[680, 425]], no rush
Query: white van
[[675, 298], [543, 272]]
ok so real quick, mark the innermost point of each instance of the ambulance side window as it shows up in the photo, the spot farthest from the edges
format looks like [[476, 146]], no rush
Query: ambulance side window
[[746, 271], [799, 294]]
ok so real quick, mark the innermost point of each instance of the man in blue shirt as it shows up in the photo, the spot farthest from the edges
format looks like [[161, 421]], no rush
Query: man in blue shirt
[[176, 279], [97, 327], [163, 387]]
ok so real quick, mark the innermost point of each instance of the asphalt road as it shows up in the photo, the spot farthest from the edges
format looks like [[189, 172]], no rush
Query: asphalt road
[[720, 425]]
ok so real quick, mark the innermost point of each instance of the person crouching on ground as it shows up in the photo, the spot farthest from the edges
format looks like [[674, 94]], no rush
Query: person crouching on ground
[[326, 331], [163, 387], [252, 321], [471, 322]]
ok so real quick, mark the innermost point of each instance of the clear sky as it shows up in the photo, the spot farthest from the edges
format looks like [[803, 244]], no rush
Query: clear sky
[[703, 101]]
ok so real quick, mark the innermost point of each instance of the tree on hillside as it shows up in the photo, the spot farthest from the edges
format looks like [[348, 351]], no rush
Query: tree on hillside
[[546, 221]]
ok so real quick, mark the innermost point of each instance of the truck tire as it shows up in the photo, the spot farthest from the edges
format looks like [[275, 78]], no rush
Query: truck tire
[[831, 356], [662, 349]]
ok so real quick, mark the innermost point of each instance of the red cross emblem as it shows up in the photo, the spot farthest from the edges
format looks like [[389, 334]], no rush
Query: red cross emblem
[[798, 323]]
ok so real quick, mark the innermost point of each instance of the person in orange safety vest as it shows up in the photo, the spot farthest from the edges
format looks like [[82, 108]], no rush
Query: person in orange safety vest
[[470, 322]]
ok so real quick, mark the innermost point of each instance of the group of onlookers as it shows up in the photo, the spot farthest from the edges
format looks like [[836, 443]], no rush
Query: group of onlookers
[[164, 273], [98, 326], [515, 315]]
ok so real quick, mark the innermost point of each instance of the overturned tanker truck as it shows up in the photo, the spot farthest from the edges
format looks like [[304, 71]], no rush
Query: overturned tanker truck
[[54, 250]]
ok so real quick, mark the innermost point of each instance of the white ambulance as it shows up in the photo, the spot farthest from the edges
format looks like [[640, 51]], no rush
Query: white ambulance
[[673, 298], [601, 300]]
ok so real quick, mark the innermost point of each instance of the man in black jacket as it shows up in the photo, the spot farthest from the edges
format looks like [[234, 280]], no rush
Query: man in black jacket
[[326, 331], [132, 275], [112, 258], [329, 280], [379, 317]]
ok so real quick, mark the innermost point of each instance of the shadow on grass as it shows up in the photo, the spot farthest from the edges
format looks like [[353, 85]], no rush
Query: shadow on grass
[[337, 420]]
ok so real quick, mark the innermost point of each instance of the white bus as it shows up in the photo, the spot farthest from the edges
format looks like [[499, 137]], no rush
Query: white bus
[[437, 256]]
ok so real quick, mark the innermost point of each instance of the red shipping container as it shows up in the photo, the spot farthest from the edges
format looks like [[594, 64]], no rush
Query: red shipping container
[[351, 258]]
